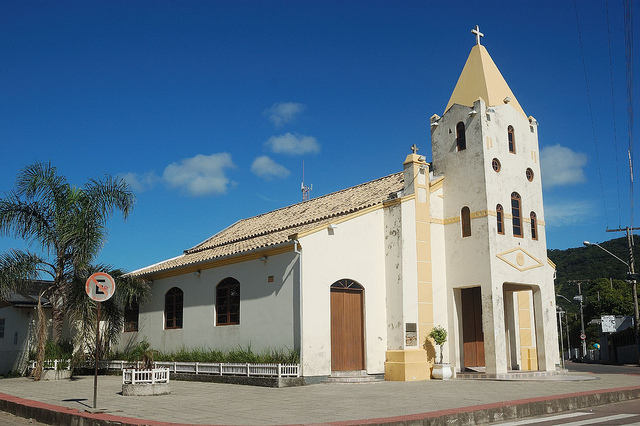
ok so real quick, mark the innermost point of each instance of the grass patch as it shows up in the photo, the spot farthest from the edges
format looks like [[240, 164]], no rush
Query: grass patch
[[238, 355]]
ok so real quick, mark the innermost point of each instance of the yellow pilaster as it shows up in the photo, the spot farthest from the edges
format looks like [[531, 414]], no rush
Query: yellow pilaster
[[407, 365], [412, 364], [528, 351]]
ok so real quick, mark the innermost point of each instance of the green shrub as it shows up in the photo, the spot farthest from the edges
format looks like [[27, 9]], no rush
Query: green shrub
[[239, 355], [53, 350]]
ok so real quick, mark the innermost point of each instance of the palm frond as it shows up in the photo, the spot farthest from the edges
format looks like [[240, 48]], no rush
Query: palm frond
[[110, 194], [41, 181], [17, 269], [25, 220]]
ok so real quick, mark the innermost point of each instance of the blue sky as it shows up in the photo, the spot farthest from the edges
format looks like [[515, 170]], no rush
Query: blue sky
[[210, 108]]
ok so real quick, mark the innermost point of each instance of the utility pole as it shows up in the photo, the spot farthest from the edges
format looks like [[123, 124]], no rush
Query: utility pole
[[583, 335], [566, 320]]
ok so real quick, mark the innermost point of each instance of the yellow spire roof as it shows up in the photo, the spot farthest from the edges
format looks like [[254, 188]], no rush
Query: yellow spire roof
[[480, 78]]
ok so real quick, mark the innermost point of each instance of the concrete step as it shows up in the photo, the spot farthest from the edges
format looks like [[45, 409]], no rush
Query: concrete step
[[357, 376]]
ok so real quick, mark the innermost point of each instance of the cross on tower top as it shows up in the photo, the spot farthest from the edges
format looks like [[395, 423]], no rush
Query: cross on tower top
[[414, 148], [478, 34]]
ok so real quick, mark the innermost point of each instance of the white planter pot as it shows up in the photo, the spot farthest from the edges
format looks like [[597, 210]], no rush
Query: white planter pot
[[442, 371]]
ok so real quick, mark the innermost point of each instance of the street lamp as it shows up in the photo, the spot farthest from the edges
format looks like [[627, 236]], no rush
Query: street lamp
[[632, 277], [583, 335], [566, 320]]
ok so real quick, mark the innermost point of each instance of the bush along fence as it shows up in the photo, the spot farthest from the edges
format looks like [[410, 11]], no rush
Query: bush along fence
[[208, 368]]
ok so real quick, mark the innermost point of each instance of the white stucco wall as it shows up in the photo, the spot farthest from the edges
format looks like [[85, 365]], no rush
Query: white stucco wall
[[490, 260], [269, 316], [14, 350], [354, 250]]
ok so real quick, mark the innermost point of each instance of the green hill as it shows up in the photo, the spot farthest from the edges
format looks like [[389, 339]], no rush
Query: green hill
[[602, 280], [589, 263]]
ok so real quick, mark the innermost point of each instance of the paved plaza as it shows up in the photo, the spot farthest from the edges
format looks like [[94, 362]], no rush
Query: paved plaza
[[225, 404]]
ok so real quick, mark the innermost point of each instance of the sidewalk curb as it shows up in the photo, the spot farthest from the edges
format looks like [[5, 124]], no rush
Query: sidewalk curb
[[478, 414]]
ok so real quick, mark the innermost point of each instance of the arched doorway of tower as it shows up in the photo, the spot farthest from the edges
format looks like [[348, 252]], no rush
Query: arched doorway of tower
[[347, 326]]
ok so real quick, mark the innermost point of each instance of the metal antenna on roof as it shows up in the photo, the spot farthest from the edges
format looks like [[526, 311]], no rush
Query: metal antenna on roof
[[305, 189]]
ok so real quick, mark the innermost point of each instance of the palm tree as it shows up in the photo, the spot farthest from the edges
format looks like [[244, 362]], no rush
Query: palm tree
[[68, 226]]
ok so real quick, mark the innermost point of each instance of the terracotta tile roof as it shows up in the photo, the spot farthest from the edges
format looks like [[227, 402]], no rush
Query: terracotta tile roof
[[275, 227]]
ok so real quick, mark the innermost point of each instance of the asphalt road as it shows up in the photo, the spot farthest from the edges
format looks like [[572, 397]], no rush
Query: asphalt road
[[584, 367], [622, 413]]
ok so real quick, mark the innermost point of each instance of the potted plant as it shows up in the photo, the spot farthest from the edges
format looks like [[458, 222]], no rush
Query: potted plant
[[145, 380], [440, 370]]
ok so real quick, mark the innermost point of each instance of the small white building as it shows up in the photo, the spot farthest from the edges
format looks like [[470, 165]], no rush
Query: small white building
[[356, 279], [18, 321]]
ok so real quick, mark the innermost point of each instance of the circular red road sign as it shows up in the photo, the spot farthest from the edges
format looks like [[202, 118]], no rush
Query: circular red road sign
[[100, 286], [583, 336]]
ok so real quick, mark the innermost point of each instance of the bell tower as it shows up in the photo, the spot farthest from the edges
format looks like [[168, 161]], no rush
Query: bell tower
[[486, 150]]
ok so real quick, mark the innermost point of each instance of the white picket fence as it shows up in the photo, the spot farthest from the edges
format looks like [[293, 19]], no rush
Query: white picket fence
[[156, 375], [215, 368], [52, 364]]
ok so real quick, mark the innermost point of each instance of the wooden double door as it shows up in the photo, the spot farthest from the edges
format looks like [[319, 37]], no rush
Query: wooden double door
[[347, 326], [472, 334]]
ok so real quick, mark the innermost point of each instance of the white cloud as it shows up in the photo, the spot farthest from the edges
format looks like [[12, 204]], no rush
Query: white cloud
[[567, 212], [293, 144], [282, 113], [266, 168], [200, 175], [140, 182], [561, 166]]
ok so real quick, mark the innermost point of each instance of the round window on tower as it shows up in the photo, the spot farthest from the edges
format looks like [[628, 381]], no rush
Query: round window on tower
[[495, 164], [529, 175]]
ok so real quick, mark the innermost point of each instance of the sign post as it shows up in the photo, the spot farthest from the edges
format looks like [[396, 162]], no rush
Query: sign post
[[100, 287]]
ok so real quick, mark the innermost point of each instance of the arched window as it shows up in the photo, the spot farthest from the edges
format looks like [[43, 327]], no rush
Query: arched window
[[173, 308], [465, 219], [512, 139], [461, 140], [131, 313], [516, 214], [228, 302], [534, 226], [347, 284], [500, 219]]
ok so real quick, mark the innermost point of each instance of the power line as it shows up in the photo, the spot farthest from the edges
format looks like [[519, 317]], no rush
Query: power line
[[613, 107], [593, 126], [628, 42]]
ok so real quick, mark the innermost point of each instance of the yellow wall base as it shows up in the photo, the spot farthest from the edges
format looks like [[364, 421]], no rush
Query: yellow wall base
[[529, 359], [407, 365]]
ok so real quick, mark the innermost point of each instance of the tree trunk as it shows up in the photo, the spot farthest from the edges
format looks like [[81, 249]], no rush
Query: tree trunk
[[42, 340], [57, 314]]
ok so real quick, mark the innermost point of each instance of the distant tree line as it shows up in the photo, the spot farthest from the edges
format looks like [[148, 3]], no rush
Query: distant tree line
[[603, 282]]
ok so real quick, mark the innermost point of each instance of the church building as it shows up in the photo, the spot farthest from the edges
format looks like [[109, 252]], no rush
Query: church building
[[356, 280]]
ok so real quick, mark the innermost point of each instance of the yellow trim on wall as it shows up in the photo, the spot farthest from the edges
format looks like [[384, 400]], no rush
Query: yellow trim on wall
[[436, 184], [216, 263], [356, 214], [502, 257], [479, 214]]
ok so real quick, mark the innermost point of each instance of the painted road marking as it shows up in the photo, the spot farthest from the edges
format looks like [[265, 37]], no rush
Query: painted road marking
[[601, 420]]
